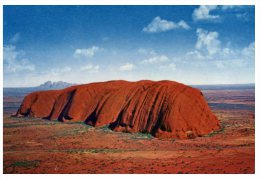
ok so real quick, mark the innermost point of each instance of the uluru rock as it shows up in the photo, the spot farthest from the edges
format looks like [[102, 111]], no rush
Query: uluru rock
[[165, 109]]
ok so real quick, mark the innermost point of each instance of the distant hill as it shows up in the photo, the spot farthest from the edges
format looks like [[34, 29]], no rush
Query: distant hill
[[55, 85], [48, 85]]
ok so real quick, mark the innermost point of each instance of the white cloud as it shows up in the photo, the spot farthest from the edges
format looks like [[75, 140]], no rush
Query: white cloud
[[88, 52], [14, 60], [155, 59], [233, 61], [15, 38], [249, 51], [225, 58], [227, 51], [183, 24], [209, 52], [127, 67], [90, 68], [160, 25], [208, 40], [195, 55], [203, 13]]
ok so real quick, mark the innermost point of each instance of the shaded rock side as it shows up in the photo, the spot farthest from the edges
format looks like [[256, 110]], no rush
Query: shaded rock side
[[165, 109]]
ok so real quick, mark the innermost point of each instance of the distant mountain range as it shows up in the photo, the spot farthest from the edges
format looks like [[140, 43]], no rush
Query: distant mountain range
[[48, 85], [55, 85]]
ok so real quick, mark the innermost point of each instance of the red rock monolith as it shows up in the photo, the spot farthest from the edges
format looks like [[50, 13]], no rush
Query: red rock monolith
[[165, 109]]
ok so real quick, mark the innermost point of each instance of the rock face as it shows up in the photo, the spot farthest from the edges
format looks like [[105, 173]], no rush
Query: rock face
[[165, 109]]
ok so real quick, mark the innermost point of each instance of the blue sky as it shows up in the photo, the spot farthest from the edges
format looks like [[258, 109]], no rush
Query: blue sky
[[82, 44]]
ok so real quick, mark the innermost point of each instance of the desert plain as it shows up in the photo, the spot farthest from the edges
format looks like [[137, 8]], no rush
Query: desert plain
[[33, 145]]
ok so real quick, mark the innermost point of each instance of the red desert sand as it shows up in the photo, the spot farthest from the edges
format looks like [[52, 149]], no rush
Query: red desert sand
[[165, 109]]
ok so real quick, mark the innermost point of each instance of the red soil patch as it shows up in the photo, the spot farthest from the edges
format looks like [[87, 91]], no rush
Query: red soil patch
[[42, 146], [165, 109]]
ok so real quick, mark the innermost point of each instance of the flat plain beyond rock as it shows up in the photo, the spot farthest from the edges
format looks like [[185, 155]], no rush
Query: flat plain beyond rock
[[165, 109]]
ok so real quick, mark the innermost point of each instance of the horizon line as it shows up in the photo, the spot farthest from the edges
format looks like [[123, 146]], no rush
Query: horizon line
[[212, 84]]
